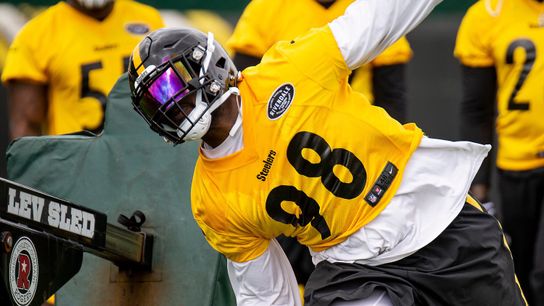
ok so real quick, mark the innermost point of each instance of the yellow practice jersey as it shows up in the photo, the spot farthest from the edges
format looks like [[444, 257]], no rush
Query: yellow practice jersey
[[80, 58], [318, 162], [265, 22], [509, 35]]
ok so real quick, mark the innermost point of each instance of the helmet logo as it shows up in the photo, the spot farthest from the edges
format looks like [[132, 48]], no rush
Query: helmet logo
[[280, 101]]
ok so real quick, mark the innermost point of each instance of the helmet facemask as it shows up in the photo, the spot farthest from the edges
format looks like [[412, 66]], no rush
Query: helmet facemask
[[177, 97]]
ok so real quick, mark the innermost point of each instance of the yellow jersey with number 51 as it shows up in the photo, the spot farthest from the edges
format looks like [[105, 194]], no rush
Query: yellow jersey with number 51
[[318, 161], [79, 58], [509, 35]]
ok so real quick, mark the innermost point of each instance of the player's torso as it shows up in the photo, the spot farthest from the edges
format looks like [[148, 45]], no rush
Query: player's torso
[[518, 51], [317, 163], [89, 58]]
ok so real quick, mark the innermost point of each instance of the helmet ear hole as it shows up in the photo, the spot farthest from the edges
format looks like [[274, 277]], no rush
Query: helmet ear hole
[[221, 63]]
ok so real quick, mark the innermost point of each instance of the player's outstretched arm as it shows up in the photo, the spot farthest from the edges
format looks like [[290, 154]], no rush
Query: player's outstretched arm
[[369, 26]]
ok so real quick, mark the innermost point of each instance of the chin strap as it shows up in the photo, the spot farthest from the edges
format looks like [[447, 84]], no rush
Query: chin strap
[[238, 122], [223, 98], [200, 128]]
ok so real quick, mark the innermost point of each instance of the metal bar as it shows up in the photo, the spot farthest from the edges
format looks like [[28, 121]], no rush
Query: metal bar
[[35, 209], [123, 242], [124, 247]]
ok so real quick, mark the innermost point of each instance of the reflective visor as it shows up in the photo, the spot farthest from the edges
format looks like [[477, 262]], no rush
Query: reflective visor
[[165, 90], [167, 86]]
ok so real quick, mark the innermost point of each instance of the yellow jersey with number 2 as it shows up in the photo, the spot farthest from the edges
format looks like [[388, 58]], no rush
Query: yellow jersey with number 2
[[509, 35]]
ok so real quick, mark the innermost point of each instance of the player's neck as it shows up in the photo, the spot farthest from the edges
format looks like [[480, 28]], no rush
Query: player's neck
[[98, 14], [223, 120]]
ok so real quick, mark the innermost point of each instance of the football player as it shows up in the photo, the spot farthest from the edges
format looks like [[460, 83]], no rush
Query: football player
[[266, 22], [382, 81], [289, 148], [500, 45], [63, 63]]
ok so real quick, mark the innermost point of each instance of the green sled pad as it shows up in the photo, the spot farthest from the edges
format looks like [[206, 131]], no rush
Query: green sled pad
[[127, 168]]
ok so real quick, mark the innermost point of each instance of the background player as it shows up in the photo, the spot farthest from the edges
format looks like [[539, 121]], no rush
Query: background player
[[64, 62], [382, 81], [500, 46]]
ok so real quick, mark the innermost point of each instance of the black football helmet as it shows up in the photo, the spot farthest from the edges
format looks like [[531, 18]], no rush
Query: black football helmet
[[178, 77]]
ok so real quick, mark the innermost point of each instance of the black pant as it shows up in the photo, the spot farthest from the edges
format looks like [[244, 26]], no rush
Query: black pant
[[468, 264], [522, 199]]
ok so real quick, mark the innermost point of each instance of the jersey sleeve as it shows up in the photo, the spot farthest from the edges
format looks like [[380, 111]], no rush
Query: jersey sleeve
[[368, 27], [26, 59], [398, 53], [236, 246], [250, 35], [472, 46], [251, 280]]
